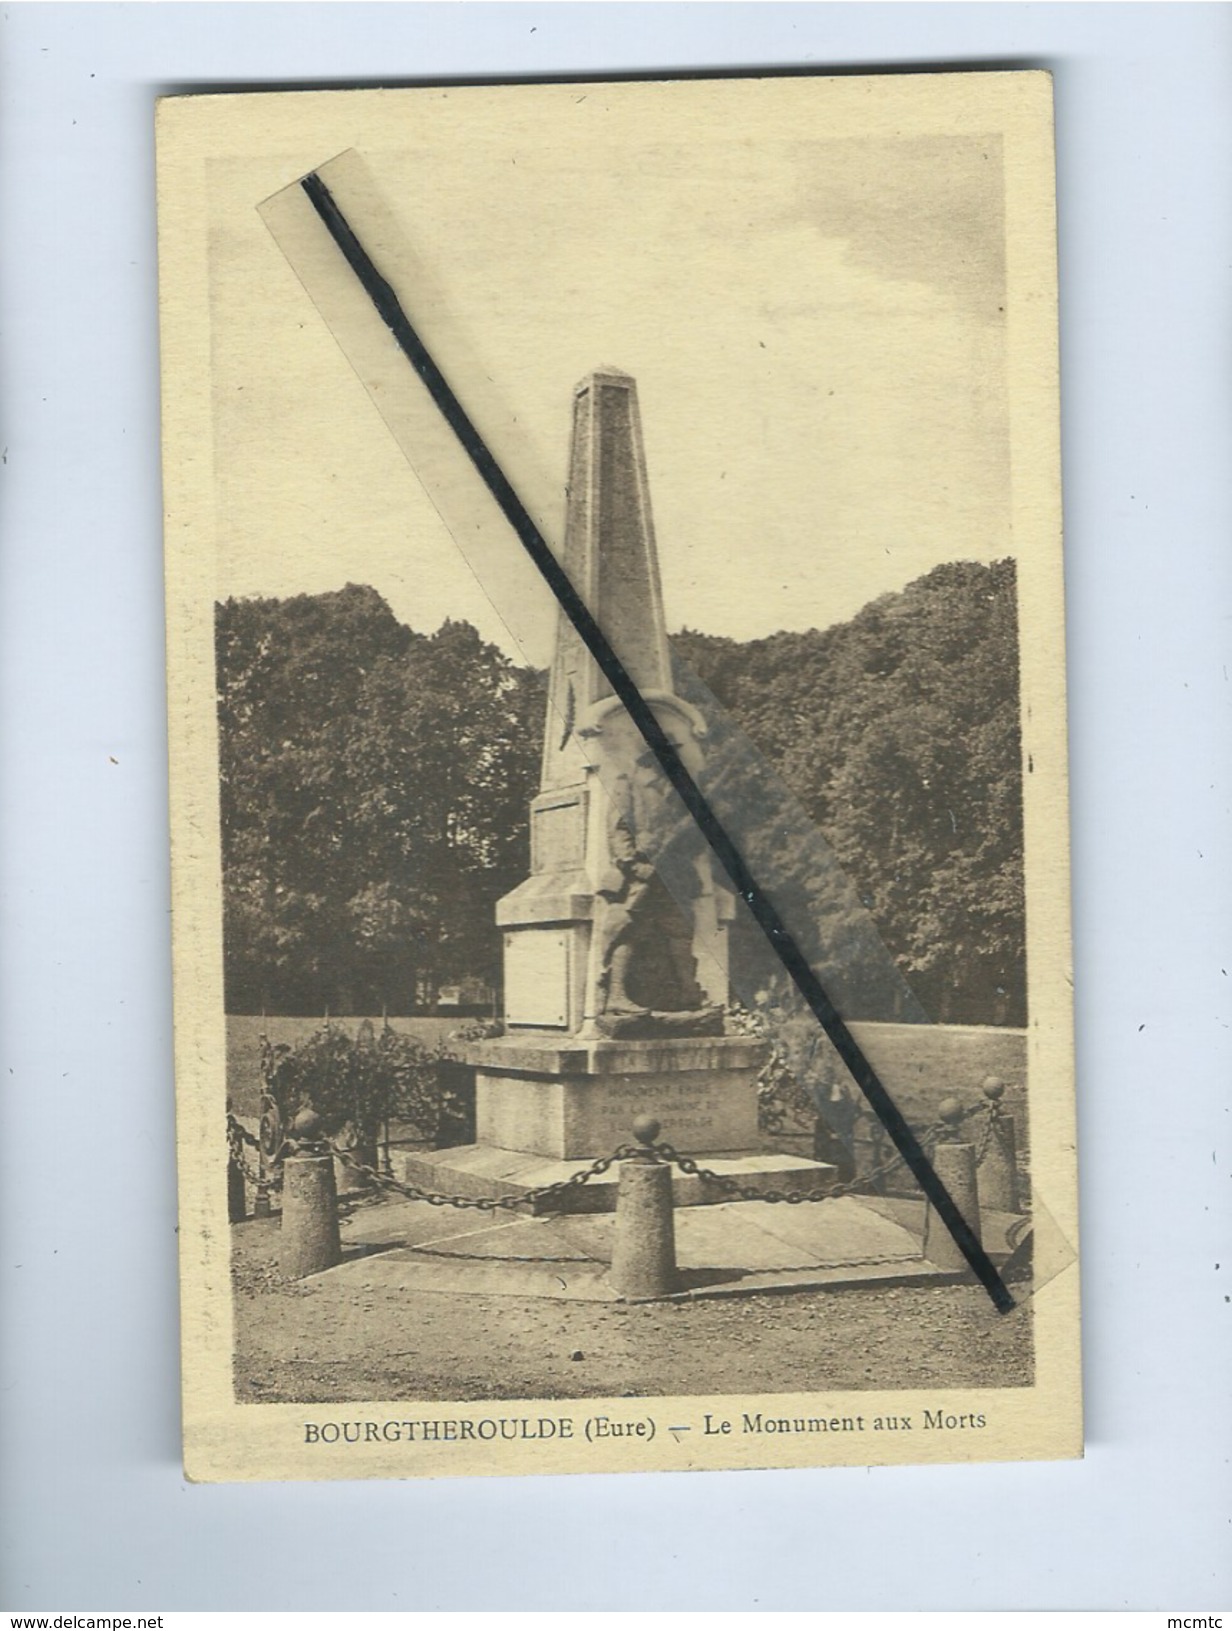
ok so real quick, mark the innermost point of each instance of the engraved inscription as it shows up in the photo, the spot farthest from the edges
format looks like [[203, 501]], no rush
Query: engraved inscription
[[719, 1113]]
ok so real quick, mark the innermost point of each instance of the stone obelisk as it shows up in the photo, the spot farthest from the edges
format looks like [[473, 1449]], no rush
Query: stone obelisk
[[614, 988], [594, 945]]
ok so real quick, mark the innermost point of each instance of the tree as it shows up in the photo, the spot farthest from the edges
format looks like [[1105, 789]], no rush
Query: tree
[[899, 733], [375, 785]]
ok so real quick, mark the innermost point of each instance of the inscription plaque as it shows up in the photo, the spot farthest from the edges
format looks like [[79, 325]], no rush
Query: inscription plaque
[[537, 978], [559, 838]]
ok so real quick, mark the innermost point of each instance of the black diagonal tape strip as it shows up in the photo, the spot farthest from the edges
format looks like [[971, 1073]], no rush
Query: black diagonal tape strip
[[669, 761]]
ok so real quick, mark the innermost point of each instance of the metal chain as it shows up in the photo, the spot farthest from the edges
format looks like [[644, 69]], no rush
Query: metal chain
[[732, 1186], [790, 1197], [239, 1136], [237, 1133], [892, 1163], [935, 1133], [988, 1133], [253, 1174], [487, 1203]]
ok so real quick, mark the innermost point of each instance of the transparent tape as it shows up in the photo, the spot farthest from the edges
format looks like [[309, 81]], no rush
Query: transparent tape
[[796, 869]]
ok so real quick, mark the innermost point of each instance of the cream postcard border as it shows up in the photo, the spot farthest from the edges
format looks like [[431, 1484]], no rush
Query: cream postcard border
[[228, 1441]]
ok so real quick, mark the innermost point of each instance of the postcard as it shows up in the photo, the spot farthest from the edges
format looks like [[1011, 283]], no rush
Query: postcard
[[618, 776]]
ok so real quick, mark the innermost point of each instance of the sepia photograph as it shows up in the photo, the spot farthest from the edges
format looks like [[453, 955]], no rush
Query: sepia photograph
[[590, 589], [621, 910]]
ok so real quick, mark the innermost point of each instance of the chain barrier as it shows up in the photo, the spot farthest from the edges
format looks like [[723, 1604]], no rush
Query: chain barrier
[[893, 1163], [987, 1133], [732, 1186], [663, 1153], [239, 1138], [941, 1131], [929, 1139], [253, 1174], [240, 1141], [487, 1203], [238, 1134]]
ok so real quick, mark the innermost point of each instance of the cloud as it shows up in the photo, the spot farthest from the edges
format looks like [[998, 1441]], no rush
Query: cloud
[[927, 209]]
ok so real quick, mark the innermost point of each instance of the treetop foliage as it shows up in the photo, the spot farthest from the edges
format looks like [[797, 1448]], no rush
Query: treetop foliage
[[376, 784], [899, 733]]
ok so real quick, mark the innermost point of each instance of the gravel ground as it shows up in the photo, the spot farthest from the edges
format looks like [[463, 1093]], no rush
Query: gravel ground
[[311, 1343]]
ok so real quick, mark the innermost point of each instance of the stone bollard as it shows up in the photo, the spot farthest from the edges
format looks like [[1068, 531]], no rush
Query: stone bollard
[[644, 1246], [954, 1164], [998, 1172], [310, 1240]]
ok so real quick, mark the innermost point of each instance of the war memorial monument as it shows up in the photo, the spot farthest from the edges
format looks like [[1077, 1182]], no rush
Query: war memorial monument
[[614, 989]]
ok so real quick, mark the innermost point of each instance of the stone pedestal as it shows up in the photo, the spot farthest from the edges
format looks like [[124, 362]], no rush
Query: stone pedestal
[[486, 1170], [578, 1100], [547, 1107], [593, 942], [614, 987]]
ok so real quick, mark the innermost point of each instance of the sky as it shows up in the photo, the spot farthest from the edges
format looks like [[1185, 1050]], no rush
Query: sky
[[815, 321]]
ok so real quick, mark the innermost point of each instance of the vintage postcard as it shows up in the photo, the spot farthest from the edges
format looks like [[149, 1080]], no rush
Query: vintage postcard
[[620, 837]]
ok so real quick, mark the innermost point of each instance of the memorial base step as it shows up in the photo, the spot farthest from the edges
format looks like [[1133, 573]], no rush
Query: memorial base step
[[482, 1170]]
